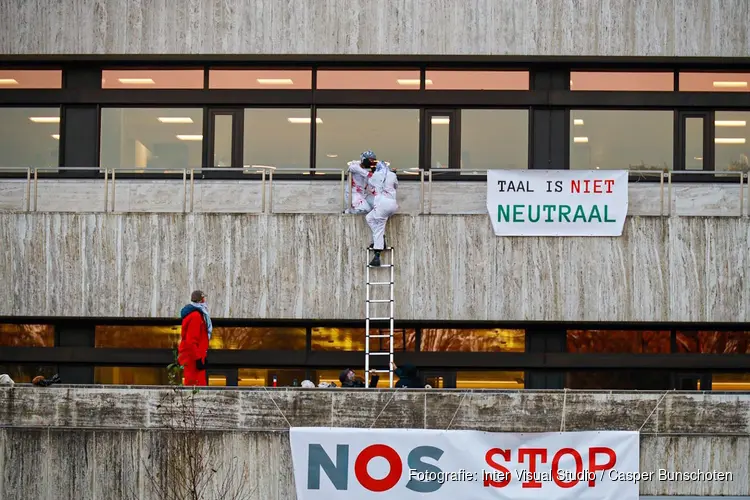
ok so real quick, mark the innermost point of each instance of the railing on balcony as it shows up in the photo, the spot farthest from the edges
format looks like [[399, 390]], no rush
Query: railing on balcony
[[425, 179]]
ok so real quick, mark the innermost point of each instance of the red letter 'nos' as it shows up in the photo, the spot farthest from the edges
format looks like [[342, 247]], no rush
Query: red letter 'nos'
[[531, 455]]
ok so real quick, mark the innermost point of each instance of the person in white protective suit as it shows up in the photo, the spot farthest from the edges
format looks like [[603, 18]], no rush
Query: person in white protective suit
[[385, 183], [362, 195]]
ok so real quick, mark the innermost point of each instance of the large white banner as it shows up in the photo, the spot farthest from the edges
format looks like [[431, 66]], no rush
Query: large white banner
[[557, 202], [406, 464]]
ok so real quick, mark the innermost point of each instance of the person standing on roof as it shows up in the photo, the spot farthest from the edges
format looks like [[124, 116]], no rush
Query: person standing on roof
[[362, 194], [195, 336], [384, 184]]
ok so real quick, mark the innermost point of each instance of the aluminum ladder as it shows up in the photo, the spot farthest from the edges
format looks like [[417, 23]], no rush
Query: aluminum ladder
[[387, 262]]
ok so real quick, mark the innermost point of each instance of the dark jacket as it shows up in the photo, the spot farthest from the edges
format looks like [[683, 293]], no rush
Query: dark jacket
[[408, 377], [357, 382]]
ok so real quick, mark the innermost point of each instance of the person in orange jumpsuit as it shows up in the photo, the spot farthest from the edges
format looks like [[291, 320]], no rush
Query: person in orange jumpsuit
[[195, 335]]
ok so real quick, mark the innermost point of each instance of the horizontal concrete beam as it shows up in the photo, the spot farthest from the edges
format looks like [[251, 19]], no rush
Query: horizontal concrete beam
[[303, 266]]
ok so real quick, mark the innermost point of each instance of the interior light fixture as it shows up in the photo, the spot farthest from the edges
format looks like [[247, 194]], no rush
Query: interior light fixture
[[275, 81], [699, 158], [175, 119], [729, 140], [730, 84], [8, 81], [136, 81], [190, 137], [56, 137], [332, 155], [580, 139], [441, 121], [413, 82], [578, 121], [45, 119], [730, 123], [303, 120]]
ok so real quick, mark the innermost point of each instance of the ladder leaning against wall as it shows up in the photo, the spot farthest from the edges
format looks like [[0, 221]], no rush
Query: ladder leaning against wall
[[375, 311]]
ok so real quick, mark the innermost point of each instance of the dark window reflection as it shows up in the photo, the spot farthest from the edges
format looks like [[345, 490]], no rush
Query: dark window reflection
[[24, 374], [713, 342], [257, 377], [130, 375], [13, 335], [353, 339], [489, 380], [618, 341], [465, 340], [619, 379], [137, 336], [730, 382]]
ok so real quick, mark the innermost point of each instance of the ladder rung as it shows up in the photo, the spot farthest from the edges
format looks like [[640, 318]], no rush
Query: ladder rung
[[378, 336], [380, 354], [379, 301], [380, 319], [382, 371], [389, 249], [383, 265], [380, 283]]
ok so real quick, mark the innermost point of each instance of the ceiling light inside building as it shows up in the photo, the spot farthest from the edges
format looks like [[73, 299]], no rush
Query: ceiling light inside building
[[45, 119], [136, 81], [441, 121], [580, 139], [699, 158], [332, 155], [730, 123], [303, 120], [275, 81], [175, 119], [729, 140], [190, 137], [8, 81], [56, 137], [578, 121], [412, 82], [730, 84]]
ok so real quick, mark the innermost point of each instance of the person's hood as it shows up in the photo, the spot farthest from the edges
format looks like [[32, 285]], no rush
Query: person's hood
[[187, 310], [406, 370]]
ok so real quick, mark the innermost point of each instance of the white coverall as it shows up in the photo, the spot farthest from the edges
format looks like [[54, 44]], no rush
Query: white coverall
[[385, 183], [362, 194]]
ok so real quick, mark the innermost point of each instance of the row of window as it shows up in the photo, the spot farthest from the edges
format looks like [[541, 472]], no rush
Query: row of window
[[165, 138], [461, 379], [353, 339], [399, 79]]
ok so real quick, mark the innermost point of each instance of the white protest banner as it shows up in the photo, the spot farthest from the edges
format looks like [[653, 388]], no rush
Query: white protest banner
[[557, 202], [406, 464]]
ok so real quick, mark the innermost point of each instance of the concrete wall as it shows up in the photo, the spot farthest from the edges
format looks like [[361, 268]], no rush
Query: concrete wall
[[518, 27], [448, 267], [444, 197], [97, 443]]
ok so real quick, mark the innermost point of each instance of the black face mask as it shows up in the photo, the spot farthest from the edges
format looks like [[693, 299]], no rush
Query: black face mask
[[368, 163]]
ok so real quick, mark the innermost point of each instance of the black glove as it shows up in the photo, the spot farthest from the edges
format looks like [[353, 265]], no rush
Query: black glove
[[200, 364]]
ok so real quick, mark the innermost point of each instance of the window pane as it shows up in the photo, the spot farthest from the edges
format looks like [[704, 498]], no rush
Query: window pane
[[621, 140], [440, 141], [621, 81], [159, 138], [259, 79], [713, 342], [693, 143], [277, 137], [130, 375], [489, 380], [619, 379], [714, 82], [30, 137], [152, 79], [623, 341], [343, 134], [368, 80], [732, 140], [263, 377], [477, 80], [494, 138], [353, 339], [222, 141], [30, 79], [24, 373], [488, 340], [13, 335], [137, 336], [730, 382], [259, 338], [215, 380]]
